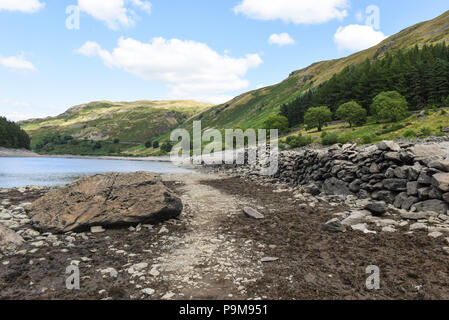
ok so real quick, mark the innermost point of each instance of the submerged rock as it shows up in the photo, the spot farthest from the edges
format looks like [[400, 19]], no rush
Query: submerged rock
[[110, 199]]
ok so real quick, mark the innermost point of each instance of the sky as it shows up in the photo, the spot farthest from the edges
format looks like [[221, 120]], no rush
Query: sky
[[55, 54]]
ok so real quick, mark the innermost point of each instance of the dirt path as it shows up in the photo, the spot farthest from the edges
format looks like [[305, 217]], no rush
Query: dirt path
[[208, 262]]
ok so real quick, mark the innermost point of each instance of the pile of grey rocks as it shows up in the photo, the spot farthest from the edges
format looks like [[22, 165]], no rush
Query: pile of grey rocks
[[413, 177]]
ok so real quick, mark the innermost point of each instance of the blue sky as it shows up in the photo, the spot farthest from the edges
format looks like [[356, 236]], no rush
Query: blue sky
[[209, 50]]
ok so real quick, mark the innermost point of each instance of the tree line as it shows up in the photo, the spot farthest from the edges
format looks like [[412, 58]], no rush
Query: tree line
[[12, 136], [421, 75]]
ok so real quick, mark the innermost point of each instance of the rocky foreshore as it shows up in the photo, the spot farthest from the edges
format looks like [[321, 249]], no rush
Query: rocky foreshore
[[241, 235], [389, 185]]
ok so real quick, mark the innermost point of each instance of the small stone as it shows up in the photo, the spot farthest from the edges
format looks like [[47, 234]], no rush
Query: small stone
[[148, 291], [418, 226], [441, 181], [435, 234], [355, 218], [109, 271], [154, 272], [388, 229], [386, 223], [137, 267], [75, 262], [252, 213], [378, 208], [38, 244], [168, 296], [440, 165], [359, 227], [334, 225], [163, 230], [414, 215], [388, 145], [269, 259], [97, 229]]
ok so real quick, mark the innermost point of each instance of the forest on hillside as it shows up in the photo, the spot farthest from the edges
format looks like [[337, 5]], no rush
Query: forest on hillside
[[421, 75], [12, 136]]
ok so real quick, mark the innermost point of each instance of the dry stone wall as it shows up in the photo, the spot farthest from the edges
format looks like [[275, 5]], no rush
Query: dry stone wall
[[410, 176]]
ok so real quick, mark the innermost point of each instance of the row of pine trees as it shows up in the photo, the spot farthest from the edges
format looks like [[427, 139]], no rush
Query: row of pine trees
[[12, 136], [420, 75]]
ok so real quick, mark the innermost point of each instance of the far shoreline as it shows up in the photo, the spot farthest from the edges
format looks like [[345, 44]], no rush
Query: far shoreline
[[22, 153]]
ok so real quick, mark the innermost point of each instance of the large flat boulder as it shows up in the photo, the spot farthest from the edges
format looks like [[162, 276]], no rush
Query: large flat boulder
[[110, 199]]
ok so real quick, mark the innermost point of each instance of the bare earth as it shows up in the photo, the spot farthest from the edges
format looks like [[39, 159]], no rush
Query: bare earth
[[214, 252]]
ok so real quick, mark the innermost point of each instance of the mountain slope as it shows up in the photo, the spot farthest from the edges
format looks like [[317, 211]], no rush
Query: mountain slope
[[250, 109], [132, 123]]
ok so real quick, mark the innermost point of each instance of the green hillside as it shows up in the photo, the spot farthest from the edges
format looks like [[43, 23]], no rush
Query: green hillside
[[252, 108], [124, 128], [108, 127]]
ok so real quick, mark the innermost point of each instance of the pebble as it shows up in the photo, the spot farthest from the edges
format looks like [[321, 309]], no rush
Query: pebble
[[38, 244], [388, 229], [97, 229], [163, 230], [435, 234], [147, 291], [168, 296], [109, 271], [137, 267], [154, 272], [269, 259], [418, 226]]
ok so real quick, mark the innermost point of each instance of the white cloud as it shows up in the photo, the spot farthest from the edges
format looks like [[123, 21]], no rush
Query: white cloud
[[190, 69], [114, 13], [17, 63], [356, 37], [296, 11], [27, 6], [143, 5], [15, 110], [281, 39]]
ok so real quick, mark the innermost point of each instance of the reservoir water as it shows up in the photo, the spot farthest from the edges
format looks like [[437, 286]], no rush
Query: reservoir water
[[19, 172]]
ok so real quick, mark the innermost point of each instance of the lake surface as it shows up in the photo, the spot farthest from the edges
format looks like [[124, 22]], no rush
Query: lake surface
[[19, 172]]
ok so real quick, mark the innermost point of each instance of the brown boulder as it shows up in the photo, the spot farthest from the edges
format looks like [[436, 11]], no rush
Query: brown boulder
[[110, 199]]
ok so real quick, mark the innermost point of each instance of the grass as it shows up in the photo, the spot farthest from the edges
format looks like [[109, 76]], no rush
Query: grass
[[429, 125], [133, 123]]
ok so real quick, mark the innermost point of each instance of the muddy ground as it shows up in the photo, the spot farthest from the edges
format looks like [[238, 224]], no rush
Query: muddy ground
[[214, 252]]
